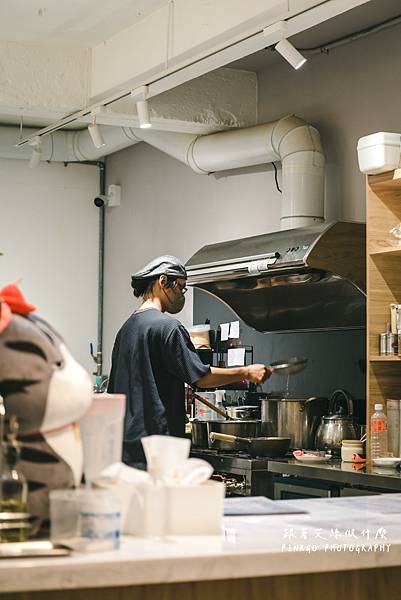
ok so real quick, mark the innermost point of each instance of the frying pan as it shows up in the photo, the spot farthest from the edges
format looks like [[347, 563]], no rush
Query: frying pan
[[290, 366], [262, 446]]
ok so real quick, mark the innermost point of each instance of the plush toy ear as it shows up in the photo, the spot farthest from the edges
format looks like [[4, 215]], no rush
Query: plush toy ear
[[15, 300], [5, 315]]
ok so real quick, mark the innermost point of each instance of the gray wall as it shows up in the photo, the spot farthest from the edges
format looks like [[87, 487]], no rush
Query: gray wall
[[336, 359], [350, 92]]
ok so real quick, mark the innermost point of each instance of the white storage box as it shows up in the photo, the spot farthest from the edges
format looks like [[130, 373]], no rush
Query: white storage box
[[379, 152], [149, 510]]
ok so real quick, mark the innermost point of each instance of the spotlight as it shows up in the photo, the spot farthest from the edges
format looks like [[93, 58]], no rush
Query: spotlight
[[36, 152], [290, 53], [142, 108], [96, 134], [140, 95]]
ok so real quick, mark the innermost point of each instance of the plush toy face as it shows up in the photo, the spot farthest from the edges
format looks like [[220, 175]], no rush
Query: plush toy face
[[41, 383], [47, 390]]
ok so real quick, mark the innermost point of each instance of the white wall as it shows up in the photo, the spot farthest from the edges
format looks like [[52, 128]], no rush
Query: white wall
[[168, 209], [49, 237]]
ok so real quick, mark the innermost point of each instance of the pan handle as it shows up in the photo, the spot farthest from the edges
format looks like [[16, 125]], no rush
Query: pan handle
[[223, 437]]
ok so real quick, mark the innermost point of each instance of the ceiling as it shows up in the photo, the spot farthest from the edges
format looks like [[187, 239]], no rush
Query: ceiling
[[70, 22], [88, 22], [354, 20]]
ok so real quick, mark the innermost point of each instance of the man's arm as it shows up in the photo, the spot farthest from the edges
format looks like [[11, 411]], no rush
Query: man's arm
[[218, 377]]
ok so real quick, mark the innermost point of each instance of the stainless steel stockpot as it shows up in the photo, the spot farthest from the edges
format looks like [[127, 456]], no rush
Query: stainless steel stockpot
[[296, 418], [243, 412], [199, 434]]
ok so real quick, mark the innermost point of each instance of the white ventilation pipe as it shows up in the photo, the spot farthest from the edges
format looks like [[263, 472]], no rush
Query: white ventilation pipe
[[290, 140], [66, 146]]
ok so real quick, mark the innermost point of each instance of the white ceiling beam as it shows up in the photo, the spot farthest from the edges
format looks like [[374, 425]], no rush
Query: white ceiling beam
[[194, 67]]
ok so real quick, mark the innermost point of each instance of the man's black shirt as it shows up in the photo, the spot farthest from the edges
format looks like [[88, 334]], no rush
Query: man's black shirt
[[152, 358]]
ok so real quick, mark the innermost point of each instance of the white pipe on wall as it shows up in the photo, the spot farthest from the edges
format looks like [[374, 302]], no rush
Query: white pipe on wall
[[66, 146], [290, 140]]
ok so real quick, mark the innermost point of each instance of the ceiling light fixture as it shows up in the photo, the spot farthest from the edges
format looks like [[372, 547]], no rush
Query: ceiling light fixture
[[36, 155], [283, 46], [95, 133], [290, 53], [140, 95]]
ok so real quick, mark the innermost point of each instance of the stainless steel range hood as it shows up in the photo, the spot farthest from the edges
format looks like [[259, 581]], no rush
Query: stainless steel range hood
[[300, 279]]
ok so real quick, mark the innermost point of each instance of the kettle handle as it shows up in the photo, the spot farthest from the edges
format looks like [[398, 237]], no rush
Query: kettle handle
[[301, 408], [348, 400]]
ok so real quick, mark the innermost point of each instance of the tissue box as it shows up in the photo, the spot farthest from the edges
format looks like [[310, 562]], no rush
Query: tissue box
[[149, 510]]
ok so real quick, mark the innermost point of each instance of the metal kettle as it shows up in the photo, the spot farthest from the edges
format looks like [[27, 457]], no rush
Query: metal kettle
[[338, 425]]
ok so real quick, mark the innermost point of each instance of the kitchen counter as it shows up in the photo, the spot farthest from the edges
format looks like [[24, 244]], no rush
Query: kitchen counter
[[353, 474], [291, 556]]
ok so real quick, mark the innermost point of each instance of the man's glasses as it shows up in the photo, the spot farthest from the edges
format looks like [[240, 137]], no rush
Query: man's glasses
[[183, 289]]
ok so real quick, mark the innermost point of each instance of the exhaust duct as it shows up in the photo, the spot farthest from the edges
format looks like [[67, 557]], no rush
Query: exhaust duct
[[290, 140]]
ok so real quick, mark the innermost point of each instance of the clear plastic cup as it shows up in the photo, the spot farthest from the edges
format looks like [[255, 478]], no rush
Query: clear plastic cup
[[85, 519], [102, 433]]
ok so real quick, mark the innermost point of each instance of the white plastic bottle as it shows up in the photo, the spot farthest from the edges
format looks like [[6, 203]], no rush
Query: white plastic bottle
[[378, 433]]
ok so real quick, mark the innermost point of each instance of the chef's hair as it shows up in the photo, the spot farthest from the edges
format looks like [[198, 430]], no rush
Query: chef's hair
[[142, 287]]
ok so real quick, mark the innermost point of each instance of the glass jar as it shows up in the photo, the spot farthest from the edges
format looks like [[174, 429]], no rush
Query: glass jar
[[349, 448]]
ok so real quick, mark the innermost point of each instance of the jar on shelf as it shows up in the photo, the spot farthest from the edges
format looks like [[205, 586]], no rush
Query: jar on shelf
[[349, 448]]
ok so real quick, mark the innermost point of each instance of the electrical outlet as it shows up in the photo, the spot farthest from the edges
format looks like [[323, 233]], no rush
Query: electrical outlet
[[114, 194]]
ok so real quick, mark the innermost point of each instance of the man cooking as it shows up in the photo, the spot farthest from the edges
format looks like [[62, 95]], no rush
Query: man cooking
[[153, 357]]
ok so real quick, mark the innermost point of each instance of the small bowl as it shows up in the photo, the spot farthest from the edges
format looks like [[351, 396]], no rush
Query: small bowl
[[386, 461]]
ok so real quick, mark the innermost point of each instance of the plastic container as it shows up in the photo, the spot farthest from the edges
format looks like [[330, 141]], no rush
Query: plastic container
[[85, 519], [378, 433], [393, 417], [102, 433], [203, 412], [379, 152], [100, 518], [200, 335], [349, 448]]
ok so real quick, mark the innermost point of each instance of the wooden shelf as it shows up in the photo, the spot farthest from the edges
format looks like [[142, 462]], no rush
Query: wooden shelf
[[385, 358], [383, 212], [386, 250], [389, 181]]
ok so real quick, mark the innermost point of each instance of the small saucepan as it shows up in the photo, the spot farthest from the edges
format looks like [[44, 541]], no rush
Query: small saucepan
[[262, 446]]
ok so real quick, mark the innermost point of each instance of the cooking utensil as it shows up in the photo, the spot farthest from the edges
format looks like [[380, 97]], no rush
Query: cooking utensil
[[262, 446], [290, 366], [199, 435], [245, 429], [243, 412], [297, 418], [217, 409], [337, 426]]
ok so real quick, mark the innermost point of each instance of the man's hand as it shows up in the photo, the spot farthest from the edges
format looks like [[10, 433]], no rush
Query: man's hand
[[258, 373]]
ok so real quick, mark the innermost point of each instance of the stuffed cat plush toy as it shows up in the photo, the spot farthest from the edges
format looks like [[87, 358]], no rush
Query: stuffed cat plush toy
[[48, 391]]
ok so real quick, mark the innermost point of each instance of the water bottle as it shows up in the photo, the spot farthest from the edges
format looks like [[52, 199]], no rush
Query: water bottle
[[378, 433]]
